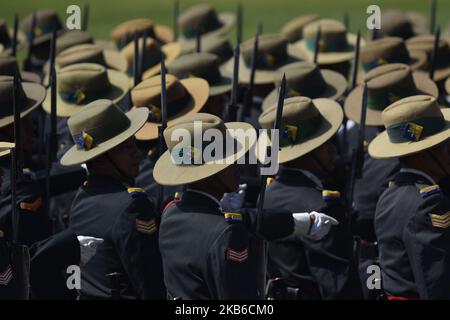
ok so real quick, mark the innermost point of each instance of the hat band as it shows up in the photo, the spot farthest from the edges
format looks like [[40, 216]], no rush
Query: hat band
[[173, 108], [267, 60], [415, 130], [328, 45], [310, 91], [295, 134], [89, 138], [210, 24], [212, 75], [379, 100], [80, 96]]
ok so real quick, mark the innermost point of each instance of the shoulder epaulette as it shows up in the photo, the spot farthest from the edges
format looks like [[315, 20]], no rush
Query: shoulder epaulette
[[391, 184], [136, 192], [331, 195], [269, 181], [430, 190], [232, 217]]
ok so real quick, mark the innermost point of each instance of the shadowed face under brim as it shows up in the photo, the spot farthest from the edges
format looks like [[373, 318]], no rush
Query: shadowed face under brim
[[170, 174], [336, 84], [332, 116], [382, 148], [198, 91], [352, 106]]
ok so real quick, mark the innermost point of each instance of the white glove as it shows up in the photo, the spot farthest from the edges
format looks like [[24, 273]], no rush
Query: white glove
[[233, 201], [88, 247], [321, 224]]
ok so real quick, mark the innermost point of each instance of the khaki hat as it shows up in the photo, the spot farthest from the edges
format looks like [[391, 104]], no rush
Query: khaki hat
[[79, 84], [5, 148], [306, 125], [293, 30], [202, 18], [9, 67], [72, 38], [425, 43], [45, 19], [390, 50], [202, 65], [413, 124], [6, 36], [170, 171], [447, 85], [30, 97], [127, 29], [272, 55], [152, 53], [396, 23], [306, 79], [99, 127], [385, 85], [184, 97], [336, 45], [215, 44]]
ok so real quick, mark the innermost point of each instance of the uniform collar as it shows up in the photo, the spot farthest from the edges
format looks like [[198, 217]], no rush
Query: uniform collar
[[201, 199], [103, 181], [418, 173], [294, 174]]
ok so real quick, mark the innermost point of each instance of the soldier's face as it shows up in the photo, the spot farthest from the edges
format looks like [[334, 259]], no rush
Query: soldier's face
[[230, 177], [442, 154], [26, 134], [126, 157], [327, 155]]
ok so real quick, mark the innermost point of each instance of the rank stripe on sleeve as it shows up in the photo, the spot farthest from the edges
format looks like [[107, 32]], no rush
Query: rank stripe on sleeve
[[146, 227], [440, 221], [237, 256], [6, 276]]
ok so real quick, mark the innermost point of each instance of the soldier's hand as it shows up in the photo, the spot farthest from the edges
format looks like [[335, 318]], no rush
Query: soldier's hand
[[88, 247], [233, 201], [321, 225]]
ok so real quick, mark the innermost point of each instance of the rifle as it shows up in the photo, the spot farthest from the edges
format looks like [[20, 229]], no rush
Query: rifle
[[85, 19], [20, 255], [433, 16], [248, 98], [239, 19], [176, 10], [27, 64], [358, 152], [375, 34], [198, 41], [14, 39], [434, 53], [317, 45], [232, 108], [136, 60], [162, 144], [142, 66]]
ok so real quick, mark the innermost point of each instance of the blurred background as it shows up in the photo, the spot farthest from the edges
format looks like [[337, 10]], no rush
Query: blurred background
[[105, 14]]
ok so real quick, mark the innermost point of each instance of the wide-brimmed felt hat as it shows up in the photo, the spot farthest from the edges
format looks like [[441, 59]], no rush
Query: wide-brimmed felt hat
[[99, 127], [425, 43], [6, 36], [80, 84], [184, 97], [203, 19], [5, 148], [306, 125], [124, 32], [30, 96], [396, 23], [390, 50], [9, 67], [272, 55], [72, 38], [215, 44], [202, 65], [336, 44], [385, 85], [152, 52], [45, 20], [306, 79], [186, 162], [293, 30], [413, 124]]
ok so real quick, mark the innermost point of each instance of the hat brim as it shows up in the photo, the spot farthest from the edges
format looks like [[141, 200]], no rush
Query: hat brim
[[335, 86], [5, 148], [120, 84], [226, 18], [332, 115], [171, 52], [300, 50], [35, 95], [77, 156], [169, 174], [382, 148], [197, 89], [262, 76], [30, 77], [352, 105]]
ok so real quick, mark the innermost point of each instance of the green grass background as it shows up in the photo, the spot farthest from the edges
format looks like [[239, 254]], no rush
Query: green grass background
[[105, 14]]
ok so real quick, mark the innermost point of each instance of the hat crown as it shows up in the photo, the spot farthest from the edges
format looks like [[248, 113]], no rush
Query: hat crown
[[385, 50], [395, 23], [8, 66], [303, 78], [5, 39], [333, 35], [201, 17], [127, 29], [152, 52], [389, 75], [89, 78], [424, 43], [83, 53], [410, 109], [293, 30], [72, 38], [202, 64], [272, 49], [148, 92], [45, 19], [220, 46]]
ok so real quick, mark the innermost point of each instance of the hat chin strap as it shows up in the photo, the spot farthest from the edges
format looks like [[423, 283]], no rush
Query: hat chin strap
[[122, 175], [437, 163]]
